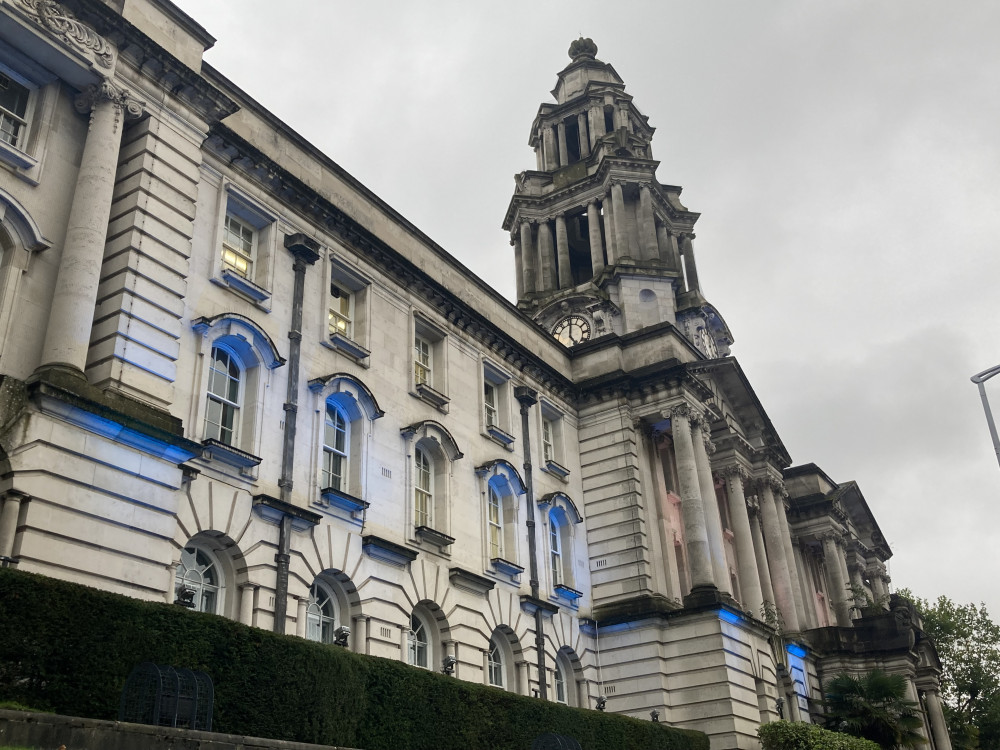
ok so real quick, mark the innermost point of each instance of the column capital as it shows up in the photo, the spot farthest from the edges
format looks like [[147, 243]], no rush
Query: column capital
[[683, 410], [734, 471], [108, 91]]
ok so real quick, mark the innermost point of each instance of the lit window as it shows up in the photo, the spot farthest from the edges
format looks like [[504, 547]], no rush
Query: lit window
[[548, 446], [341, 311], [422, 361], [419, 649], [555, 550], [495, 515], [490, 401], [423, 490], [238, 243], [321, 615], [335, 442], [199, 580], [494, 662], [222, 414], [13, 110]]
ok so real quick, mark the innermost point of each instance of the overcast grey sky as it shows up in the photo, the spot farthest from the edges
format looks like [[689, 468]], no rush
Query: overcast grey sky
[[844, 157]]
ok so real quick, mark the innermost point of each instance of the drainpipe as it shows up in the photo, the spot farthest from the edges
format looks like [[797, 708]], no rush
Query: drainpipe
[[527, 397], [305, 252]]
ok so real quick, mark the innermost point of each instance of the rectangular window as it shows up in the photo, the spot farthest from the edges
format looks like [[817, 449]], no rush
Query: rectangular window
[[552, 428], [341, 311], [13, 110], [490, 404], [422, 361], [548, 447], [495, 525], [238, 244]]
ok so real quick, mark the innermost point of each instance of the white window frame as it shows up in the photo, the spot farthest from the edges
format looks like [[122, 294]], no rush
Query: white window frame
[[429, 338], [18, 121], [27, 154], [496, 382], [557, 565], [334, 453], [494, 523], [238, 205], [226, 404], [420, 644], [203, 560], [322, 613], [552, 433], [353, 337], [495, 666], [423, 488]]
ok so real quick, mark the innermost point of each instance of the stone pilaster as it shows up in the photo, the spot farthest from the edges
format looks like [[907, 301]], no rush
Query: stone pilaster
[[713, 519], [647, 225], [839, 593], [67, 336], [515, 241], [690, 268], [581, 127], [781, 581], [786, 539], [620, 219], [760, 553], [596, 246], [935, 716], [563, 150], [546, 251], [549, 147], [608, 209], [528, 257], [753, 598], [692, 508], [562, 253]]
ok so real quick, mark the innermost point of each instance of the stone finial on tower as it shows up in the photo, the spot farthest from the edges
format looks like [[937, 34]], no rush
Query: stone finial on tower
[[583, 49]]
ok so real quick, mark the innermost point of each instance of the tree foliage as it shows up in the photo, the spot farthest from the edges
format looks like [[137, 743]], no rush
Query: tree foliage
[[873, 706], [968, 643]]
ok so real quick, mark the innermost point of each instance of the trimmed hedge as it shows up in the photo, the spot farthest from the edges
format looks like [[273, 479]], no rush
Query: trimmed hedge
[[797, 735], [68, 648]]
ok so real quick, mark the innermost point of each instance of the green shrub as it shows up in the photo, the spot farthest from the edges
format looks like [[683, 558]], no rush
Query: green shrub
[[789, 735], [69, 649]]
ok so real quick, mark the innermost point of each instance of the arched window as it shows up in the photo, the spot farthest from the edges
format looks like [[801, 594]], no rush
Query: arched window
[[225, 394], [495, 524], [559, 678], [321, 614], [423, 490], [419, 643], [494, 665], [199, 582], [335, 450], [555, 549]]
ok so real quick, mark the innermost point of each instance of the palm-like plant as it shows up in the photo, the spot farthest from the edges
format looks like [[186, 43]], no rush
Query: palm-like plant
[[873, 706]]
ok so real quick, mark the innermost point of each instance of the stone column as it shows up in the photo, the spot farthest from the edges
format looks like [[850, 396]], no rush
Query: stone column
[[528, 257], [563, 151], [248, 592], [562, 251], [808, 614], [596, 246], [620, 219], [597, 130], [607, 206], [515, 242], [67, 337], [753, 598], [549, 146], [647, 225], [777, 559], [548, 257], [760, 553], [786, 538], [581, 127], [302, 602], [935, 715], [695, 533], [690, 269], [836, 582], [710, 501], [666, 249], [880, 582], [539, 159], [12, 500]]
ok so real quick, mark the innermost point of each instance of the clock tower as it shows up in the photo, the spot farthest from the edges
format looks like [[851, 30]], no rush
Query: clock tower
[[601, 246]]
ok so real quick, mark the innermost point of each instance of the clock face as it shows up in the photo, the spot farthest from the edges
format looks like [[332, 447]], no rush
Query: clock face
[[572, 330]]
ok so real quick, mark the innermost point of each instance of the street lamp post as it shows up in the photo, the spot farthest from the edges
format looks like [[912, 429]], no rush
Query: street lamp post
[[979, 379]]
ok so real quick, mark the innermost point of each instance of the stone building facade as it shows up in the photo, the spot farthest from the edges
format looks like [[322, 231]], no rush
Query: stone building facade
[[236, 380]]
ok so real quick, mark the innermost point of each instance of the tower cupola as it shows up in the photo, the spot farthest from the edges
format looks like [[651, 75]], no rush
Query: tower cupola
[[601, 246]]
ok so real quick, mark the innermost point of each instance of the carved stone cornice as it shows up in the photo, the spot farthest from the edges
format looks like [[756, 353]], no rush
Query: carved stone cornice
[[61, 23]]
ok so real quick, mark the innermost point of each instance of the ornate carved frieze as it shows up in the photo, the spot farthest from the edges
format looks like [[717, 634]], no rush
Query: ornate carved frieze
[[59, 22]]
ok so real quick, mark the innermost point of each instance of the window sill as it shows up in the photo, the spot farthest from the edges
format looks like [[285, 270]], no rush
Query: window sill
[[216, 450], [343, 344], [16, 157], [555, 468], [435, 398], [439, 538], [335, 498], [386, 551], [566, 594], [500, 436], [243, 285], [469, 581], [506, 567]]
